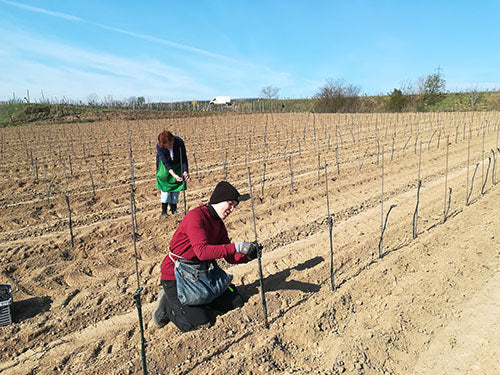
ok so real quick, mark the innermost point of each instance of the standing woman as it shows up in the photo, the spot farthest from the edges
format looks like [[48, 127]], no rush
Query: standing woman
[[170, 174]]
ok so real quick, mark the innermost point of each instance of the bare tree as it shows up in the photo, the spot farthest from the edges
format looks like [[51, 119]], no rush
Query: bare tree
[[92, 99], [407, 87], [474, 96], [269, 92]]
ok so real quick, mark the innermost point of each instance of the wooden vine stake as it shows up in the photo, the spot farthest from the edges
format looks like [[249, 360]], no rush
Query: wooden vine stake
[[183, 185], [196, 164], [384, 225], [449, 205], [486, 177], [319, 166], [91, 179], [419, 185], [330, 229], [49, 188], [468, 163], [381, 208], [263, 180], [137, 294], [415, 213], [446, 177], [36, 170], [259, 255], [472, 184], [66, 197], [494, 169], [132, 178], [482, 163]]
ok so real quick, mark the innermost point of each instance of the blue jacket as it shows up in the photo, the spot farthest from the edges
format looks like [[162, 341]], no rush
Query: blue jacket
[[163, 154]]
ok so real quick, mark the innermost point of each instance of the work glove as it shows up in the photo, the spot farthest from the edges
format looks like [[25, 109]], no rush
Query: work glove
[[254, 251], [242, 247]]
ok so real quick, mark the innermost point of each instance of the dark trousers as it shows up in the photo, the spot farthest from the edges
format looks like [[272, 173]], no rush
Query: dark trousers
[[191, 317]]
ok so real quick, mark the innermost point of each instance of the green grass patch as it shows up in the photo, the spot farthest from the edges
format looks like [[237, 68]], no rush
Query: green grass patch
[[22, 113]]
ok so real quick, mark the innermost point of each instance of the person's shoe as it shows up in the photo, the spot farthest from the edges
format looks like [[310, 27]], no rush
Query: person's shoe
[[175, 212], [159, 312], [164, 210]]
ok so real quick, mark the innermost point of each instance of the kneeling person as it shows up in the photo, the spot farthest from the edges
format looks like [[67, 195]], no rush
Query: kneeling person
[[200, 239]]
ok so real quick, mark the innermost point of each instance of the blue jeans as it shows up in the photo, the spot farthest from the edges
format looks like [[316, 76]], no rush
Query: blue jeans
[[169, 197]]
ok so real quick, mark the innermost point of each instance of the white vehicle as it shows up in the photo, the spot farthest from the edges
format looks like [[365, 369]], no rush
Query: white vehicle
[[221, 100]]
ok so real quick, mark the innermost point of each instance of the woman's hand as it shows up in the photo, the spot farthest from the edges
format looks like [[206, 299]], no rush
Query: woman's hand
[[186, 176]]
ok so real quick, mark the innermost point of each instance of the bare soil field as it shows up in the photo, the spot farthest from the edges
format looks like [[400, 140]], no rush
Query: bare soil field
[[424, 299]]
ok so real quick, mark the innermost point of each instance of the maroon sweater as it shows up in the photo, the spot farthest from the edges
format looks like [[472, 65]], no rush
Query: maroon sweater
[[201, 235]]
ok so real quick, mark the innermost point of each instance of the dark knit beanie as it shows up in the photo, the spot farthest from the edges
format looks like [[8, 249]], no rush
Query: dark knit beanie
[[224, 191]]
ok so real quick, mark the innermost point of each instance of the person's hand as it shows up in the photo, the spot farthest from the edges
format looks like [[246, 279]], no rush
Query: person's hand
[[186, 176], [242, 247], [254, 251], [178, 178]]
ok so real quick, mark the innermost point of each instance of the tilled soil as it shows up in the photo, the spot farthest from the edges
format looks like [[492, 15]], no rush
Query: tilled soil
[[424, 299]]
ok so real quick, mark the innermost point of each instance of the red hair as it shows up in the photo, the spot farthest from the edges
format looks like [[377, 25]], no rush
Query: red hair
[[164, 138]]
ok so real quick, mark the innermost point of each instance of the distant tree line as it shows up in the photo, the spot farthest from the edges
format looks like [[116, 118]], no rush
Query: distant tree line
[[336, 95], [339, 96]]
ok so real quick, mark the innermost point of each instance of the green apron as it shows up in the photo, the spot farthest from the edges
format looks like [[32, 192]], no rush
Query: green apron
[[165, 181]]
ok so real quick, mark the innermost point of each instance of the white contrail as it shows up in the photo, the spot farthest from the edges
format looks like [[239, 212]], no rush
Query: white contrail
[[43, 11], [150, 38]]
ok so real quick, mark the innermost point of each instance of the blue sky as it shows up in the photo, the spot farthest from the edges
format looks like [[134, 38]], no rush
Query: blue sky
[[185, 50]]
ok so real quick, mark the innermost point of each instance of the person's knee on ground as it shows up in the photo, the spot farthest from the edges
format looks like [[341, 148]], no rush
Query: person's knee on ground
[[185, 317], [160, 316]]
